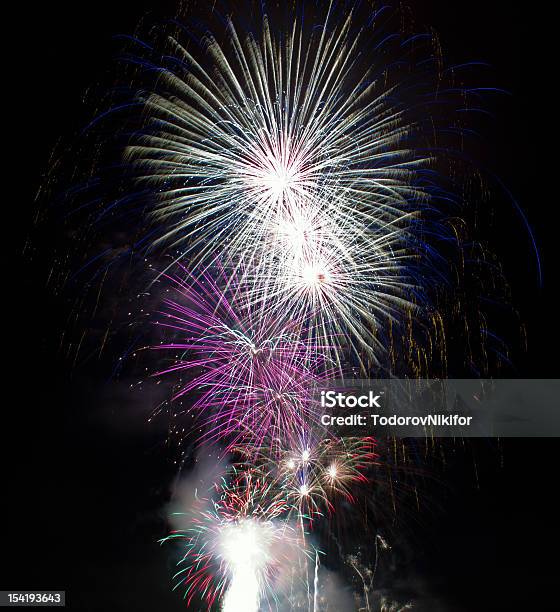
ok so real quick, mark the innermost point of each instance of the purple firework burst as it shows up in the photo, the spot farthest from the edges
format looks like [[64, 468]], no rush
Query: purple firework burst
[[251, 375]]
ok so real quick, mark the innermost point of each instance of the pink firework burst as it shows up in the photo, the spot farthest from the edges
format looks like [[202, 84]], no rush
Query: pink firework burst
[[248, 373]]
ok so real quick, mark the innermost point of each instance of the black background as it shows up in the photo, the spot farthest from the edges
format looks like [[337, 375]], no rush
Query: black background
[[81, 498]]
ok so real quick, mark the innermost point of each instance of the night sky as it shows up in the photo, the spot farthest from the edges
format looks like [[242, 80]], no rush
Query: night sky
[[86, 480]]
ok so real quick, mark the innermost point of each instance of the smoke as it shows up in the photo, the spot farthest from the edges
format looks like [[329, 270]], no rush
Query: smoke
[[209, 466]]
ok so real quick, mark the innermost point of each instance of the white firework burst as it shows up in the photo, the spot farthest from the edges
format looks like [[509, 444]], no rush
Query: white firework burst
[[284, 157]]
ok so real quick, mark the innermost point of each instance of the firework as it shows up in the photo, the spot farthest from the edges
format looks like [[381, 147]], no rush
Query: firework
[[285, 157], [271, 125], [329, 266], [232, 546], [253, 372], [314, 471]]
